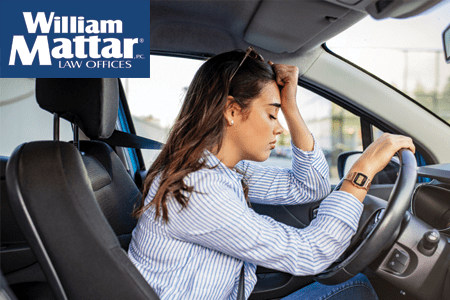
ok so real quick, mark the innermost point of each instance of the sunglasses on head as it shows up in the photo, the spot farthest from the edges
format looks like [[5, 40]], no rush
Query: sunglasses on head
[[249, 53]]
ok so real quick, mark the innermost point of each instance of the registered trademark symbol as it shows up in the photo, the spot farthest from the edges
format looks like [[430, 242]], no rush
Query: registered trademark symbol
[[141, 40]]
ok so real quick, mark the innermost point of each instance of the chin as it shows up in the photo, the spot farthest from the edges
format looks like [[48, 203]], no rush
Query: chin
[[261, 157]]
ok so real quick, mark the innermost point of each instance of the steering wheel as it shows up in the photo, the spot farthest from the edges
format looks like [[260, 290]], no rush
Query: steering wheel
[[379, 230]]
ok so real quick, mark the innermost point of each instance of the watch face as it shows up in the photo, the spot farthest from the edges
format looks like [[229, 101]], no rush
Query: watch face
[[360, 179]]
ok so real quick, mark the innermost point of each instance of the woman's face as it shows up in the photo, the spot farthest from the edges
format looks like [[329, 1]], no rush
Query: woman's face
[[257, 130]]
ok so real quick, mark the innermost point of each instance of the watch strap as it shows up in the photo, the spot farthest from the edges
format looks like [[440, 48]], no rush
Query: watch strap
[[359, 180]]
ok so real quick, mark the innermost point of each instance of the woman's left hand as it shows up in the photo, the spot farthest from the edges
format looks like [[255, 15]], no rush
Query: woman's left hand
[[287, 78]]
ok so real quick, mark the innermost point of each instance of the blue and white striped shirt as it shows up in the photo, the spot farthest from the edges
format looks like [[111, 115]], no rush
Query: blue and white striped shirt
[[199, 253]]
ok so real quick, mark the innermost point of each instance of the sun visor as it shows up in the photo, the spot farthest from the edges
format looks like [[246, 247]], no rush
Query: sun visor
[[381, 9], [299, 22], [187, 36]]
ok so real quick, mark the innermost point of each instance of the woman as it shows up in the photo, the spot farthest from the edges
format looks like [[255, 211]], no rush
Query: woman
[[196, 231]]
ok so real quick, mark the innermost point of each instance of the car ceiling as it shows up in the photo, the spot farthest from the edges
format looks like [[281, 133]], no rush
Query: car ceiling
[[283, 31]]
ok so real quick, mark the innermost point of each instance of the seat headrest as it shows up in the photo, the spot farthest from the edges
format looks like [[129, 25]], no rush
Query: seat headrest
[[90, 103]]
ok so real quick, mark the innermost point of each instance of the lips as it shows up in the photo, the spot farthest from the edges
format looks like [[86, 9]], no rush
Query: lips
[[272, 144]]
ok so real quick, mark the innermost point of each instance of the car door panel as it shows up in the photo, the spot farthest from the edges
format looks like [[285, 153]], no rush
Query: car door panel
[[275, 284]]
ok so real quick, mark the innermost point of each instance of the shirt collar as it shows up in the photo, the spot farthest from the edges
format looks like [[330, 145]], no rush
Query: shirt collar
[[213, 162]]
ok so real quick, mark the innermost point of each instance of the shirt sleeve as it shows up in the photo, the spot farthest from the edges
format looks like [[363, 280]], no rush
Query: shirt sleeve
[[218, 219], [307, 181]]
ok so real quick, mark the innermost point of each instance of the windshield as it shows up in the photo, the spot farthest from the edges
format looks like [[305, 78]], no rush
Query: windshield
[[406, 53]]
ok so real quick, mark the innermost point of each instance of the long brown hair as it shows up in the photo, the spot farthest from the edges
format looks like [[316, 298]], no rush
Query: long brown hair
[[201, 124]]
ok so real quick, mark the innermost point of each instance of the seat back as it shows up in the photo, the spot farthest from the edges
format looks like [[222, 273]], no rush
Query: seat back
[[114, 190], [56, 207], [92, 104], [74, 205]]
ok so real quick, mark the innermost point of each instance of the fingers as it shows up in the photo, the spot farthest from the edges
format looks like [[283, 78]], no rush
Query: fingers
[[380, 152], [408, 144], [398, 142], [284, 73], [279, 77]]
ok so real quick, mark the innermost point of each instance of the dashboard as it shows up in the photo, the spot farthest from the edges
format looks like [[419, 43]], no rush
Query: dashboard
[[431, 201]]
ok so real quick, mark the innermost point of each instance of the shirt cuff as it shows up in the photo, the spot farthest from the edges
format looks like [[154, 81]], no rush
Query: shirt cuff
[[343, 206], [315, 157]]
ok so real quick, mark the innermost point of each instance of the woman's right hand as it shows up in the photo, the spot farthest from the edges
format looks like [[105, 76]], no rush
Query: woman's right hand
[[375, 158], [380, 152]]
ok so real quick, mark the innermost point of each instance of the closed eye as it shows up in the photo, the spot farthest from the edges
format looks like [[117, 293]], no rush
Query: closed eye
[[272, 117]]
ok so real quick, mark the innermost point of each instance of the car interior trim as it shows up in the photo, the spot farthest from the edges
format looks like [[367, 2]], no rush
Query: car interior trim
[[384, 82], [357, 88], [353, 108], [125, 110]]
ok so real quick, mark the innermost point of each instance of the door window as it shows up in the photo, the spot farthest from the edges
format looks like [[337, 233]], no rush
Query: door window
[[335, 129], [155, 102], [21, 118]]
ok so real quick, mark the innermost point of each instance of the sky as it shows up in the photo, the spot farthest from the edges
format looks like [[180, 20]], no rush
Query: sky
[[388, 48]]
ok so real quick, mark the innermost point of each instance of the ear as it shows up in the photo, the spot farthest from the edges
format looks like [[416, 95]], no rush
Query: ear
[[232, 111]]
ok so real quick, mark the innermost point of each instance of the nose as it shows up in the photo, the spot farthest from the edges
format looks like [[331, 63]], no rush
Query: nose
[[278, 128]]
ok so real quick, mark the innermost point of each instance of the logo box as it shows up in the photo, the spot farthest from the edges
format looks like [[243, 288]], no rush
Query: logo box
[[75, 39]]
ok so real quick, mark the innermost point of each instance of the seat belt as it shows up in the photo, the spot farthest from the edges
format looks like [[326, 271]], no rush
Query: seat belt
[[130, 140], [241, 289]]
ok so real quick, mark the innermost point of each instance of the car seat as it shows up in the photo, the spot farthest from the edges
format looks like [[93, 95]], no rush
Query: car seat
[[74, 205]]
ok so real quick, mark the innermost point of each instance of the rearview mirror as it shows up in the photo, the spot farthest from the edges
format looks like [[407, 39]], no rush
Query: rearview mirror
[[387, 176], [446, 40]]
